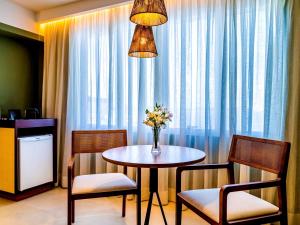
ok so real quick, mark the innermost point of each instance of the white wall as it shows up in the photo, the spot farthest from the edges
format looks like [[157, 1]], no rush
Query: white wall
[[76, 8], [17, 16]]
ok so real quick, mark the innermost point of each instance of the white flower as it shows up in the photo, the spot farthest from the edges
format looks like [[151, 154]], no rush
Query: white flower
[[158, 117]]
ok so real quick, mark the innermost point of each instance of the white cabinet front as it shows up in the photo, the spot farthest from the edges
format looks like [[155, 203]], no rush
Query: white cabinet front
[[35, 161]]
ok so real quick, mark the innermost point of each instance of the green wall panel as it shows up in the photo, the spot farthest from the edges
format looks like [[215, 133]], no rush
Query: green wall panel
[[20, 73]]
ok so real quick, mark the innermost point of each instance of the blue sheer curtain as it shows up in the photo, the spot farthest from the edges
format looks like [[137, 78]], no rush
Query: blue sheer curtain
[[221, 69]]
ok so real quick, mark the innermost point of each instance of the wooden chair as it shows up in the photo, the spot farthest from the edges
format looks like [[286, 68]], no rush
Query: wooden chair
[[99, 185], [231, 204]]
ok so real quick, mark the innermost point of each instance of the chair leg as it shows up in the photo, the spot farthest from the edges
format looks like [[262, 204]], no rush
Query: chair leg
[[124, 206], [138, 208], [284, 221], [178, 211], [69, 212], [73, 211]]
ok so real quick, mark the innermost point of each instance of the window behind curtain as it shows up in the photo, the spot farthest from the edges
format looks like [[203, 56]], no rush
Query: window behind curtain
[[222, 67]]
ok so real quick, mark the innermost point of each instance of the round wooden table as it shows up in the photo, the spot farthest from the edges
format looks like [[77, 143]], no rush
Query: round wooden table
[[140, 156]]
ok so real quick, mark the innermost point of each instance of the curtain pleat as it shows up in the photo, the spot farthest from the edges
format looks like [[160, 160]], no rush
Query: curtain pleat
[[55, 81], [293, 118]]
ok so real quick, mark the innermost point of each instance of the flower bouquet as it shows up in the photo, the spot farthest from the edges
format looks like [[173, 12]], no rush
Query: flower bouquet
[[157, 119]]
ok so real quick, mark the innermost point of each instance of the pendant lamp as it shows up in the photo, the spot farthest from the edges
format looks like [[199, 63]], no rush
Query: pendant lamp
[[149, 12], [143, 44]]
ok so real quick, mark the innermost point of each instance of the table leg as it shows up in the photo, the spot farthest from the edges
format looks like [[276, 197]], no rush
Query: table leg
[[138, 198], [149, 209], [161, 208], [153, 187]]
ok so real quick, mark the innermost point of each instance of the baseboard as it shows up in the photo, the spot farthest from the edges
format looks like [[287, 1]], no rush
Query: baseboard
[[27, 193]]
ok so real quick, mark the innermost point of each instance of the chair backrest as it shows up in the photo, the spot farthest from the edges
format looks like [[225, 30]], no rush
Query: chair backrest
[[264, 154], [93, 141]]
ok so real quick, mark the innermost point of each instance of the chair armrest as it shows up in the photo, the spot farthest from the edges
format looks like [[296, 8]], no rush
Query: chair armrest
[[71, 163], [179, 171], [226, 189], [71, 172], [203, 167]]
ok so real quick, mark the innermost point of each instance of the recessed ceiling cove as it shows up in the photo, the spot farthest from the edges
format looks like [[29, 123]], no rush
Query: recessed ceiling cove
[[38, 5]]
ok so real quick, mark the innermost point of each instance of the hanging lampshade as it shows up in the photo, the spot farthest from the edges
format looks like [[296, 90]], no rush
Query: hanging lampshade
[[149, 12], [143, 43]]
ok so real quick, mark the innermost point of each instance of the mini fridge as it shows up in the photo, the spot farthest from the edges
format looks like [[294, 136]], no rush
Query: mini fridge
[[35, 161]]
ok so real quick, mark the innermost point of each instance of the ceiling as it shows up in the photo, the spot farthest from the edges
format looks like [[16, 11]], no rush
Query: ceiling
[[38, 5]]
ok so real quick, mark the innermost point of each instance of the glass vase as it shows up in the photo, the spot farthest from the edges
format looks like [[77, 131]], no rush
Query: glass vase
[[155, 145]]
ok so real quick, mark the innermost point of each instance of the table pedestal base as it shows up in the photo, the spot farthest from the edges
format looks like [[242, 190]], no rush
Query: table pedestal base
[[153, 187]]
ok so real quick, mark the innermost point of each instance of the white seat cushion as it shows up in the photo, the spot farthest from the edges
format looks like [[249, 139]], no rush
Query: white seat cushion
[[97, 183], [240, 205]]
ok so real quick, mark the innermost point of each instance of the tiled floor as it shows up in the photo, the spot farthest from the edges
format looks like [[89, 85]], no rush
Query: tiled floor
[[50, 209]]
